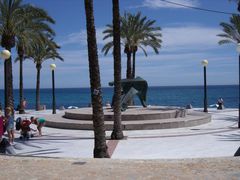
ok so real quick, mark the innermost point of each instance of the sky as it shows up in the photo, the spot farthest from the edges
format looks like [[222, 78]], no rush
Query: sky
[[188, 35]]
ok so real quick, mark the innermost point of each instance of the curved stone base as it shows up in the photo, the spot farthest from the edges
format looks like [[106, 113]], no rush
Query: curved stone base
[[132, 119], [133, 113]]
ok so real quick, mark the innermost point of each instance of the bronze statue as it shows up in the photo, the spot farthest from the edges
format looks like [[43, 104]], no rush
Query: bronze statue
[[131, 87]]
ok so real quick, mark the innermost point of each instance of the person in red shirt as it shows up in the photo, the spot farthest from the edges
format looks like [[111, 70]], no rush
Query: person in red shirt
[[1, 124]]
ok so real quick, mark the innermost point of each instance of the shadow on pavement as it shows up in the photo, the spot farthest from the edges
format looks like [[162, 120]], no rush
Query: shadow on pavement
[[229, 137]]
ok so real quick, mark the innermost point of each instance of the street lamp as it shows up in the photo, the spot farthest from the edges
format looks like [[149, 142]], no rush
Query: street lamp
[[205, 63], [238, 50], [53, 66], [5, 54]]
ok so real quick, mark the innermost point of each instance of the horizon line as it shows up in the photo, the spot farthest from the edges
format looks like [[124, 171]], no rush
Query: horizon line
[[148, 86]]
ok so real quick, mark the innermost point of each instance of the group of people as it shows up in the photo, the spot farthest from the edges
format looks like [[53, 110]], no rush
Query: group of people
[[7, 124]]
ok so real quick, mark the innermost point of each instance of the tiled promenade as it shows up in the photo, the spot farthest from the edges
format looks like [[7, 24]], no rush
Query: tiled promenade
[[216, 142], [219, 138]]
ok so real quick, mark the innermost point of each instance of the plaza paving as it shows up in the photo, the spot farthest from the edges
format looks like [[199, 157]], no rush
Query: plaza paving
[[219, 138], [200, 152]]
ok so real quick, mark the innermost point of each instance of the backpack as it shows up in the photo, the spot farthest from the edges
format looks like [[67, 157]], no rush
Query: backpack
[[18, 123], [3, 146]]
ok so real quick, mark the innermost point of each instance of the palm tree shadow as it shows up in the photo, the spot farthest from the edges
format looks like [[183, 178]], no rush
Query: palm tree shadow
[[45, 140], [59, 138], [26, 143], [229, 137], [229, 118], [40, 152]]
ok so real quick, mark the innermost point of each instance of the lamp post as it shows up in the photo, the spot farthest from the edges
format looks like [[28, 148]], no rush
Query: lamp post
[[53, 66], [238, 50], [205, 63], [5, 54]]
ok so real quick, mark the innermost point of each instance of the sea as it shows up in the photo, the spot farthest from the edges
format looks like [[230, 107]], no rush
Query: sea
[[162, 95]]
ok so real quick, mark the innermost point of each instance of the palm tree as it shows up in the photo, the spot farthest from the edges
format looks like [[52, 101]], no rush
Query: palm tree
[[231, 31], [232, 35], [100, 147], [136, 32], [20, 51], [10, 16], [145, 34], [42, 51], [117, 127], [14, 15], [125, 41], [35, 24]]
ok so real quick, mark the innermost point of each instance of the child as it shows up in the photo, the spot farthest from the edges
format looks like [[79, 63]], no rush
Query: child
[[9, 124], [40, 122]]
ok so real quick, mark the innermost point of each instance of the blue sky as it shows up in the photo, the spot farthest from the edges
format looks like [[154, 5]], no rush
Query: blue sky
[[189, 36]]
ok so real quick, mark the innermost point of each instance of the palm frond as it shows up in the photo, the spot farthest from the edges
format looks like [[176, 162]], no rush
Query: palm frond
[[231, 31]]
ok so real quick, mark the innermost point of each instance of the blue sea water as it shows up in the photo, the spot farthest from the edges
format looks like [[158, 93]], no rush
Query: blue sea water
[[166, 96]]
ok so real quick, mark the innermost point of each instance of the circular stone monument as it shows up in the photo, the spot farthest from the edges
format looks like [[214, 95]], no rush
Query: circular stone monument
[[134, 118]]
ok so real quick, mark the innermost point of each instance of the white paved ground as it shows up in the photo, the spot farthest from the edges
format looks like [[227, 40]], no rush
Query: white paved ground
[[220, 138]]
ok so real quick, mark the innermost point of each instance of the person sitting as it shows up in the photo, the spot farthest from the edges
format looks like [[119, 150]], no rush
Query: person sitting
[[40, 122], [220, 104]]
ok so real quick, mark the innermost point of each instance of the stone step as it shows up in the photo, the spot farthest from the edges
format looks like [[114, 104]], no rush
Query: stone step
[[192, 119], [136, 113]]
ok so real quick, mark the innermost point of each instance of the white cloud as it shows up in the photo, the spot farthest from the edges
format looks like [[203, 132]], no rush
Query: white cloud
[[186, 69], [190, 37], [161, 4], [185, 38], [81, 37]]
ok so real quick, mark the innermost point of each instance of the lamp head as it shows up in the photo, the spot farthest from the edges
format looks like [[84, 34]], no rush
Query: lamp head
[[205, 63], [5, 54], [53, 66]]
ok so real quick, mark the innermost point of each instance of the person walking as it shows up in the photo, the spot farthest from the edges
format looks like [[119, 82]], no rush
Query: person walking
[[24, 103]]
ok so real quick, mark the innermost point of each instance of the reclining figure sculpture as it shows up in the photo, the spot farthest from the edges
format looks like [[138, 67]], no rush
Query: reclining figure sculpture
[[131, 87]]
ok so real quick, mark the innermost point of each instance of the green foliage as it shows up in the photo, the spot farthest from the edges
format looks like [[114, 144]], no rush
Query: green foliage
[[231, 31], [136, 32], [43, 50]]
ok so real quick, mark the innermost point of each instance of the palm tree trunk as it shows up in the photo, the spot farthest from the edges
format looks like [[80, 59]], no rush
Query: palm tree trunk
[[117, 126], [8, 82], [38, 66], [100, 147], [133, 66], [21, 110], [129, 66]]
